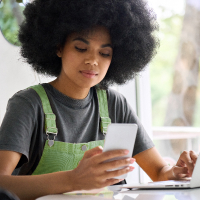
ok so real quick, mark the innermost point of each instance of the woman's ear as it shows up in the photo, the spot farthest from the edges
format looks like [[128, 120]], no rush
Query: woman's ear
[[59, 52]]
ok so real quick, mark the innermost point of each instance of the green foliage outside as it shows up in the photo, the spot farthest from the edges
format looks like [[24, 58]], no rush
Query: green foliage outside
[[161, 68], [8, 22]]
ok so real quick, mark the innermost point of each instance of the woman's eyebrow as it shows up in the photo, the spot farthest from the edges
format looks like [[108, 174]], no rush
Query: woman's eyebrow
[[81, 39], [106, 45], [87, 42]]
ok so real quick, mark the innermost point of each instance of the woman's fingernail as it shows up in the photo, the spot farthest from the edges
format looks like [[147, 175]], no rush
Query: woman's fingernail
[[132, 160], [131, 168], [126, 151]]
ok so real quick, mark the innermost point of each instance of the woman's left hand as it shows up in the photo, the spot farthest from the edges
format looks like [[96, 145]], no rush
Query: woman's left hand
[[185, 165]]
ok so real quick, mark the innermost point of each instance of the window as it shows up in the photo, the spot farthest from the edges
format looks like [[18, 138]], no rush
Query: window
[[174, 74]]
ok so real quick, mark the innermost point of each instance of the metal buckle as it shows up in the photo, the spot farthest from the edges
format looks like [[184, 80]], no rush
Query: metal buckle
[[55, 134], [51, 132], [51, 142], [54, 137], [104, 132], [47, 118]]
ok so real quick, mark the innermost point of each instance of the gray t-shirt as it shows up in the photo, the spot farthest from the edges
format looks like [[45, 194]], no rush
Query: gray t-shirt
[[22, 129]]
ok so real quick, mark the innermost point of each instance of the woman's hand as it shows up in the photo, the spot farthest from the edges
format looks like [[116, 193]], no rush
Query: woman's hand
[[92, 172], [185, 165]]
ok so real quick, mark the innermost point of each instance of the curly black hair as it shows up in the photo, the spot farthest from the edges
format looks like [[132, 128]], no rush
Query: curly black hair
[[131, 24]]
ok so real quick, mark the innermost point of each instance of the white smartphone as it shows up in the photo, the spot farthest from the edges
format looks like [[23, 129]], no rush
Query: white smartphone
[[120, 136]]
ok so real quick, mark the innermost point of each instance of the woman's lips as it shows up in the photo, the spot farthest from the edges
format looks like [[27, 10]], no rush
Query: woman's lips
[[89, 74]]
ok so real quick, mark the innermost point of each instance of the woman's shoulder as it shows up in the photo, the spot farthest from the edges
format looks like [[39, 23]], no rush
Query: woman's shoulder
[[26, 96], [115, 97]]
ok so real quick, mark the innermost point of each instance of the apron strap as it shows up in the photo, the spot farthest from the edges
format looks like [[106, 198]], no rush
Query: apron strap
[[103, 109], [50, 117]]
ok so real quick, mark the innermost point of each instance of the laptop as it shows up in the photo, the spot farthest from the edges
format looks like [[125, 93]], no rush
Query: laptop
[[192, 182]]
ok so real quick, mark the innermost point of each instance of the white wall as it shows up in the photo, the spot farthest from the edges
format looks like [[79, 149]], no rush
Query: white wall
[[14, 73]]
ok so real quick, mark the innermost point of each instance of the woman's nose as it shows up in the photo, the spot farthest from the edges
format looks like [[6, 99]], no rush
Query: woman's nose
[[92, 60]]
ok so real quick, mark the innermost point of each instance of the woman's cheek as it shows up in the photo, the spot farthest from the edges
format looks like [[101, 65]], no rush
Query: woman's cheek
[[71, 59]]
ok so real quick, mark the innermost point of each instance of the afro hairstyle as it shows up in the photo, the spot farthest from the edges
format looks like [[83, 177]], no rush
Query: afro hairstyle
[[131, 23]]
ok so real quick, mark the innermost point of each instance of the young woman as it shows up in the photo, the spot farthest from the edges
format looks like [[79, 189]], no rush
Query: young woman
[[52, 134]]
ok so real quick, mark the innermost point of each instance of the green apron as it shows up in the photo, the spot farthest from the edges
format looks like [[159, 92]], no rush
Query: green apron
[[62, 156]]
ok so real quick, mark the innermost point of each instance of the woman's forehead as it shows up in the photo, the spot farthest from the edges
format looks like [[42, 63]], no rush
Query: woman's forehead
[[99, 32]]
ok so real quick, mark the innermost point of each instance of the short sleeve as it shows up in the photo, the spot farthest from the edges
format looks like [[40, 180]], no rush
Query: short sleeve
[[121, 112], [16, 128]]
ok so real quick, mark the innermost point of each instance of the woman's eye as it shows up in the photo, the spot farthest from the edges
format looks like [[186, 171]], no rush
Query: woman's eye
[[105, 55], [79, 49]]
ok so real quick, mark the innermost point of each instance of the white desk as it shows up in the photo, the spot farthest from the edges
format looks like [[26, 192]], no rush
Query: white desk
[[167, 194]]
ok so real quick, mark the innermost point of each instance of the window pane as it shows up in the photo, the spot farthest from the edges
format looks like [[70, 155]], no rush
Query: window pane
[[174, 72]]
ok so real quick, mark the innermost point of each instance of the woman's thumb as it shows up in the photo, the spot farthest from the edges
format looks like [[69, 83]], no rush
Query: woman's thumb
[[93, 152]]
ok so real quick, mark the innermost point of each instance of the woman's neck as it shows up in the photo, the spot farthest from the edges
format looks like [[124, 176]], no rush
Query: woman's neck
[[71, 90]]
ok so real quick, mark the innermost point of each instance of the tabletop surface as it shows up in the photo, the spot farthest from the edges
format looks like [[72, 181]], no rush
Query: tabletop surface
[[115, 192]]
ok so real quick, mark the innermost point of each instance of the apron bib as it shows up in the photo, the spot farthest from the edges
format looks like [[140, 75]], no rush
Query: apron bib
[[62, 156]]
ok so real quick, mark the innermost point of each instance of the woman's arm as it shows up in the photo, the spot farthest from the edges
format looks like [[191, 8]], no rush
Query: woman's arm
[[158, 170], [30, 187], [91, 173]]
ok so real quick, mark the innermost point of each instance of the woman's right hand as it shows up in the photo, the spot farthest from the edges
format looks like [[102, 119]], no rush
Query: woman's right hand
[[92, 172]]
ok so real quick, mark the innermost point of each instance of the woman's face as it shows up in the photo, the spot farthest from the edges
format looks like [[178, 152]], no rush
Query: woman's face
[[86, 57]]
